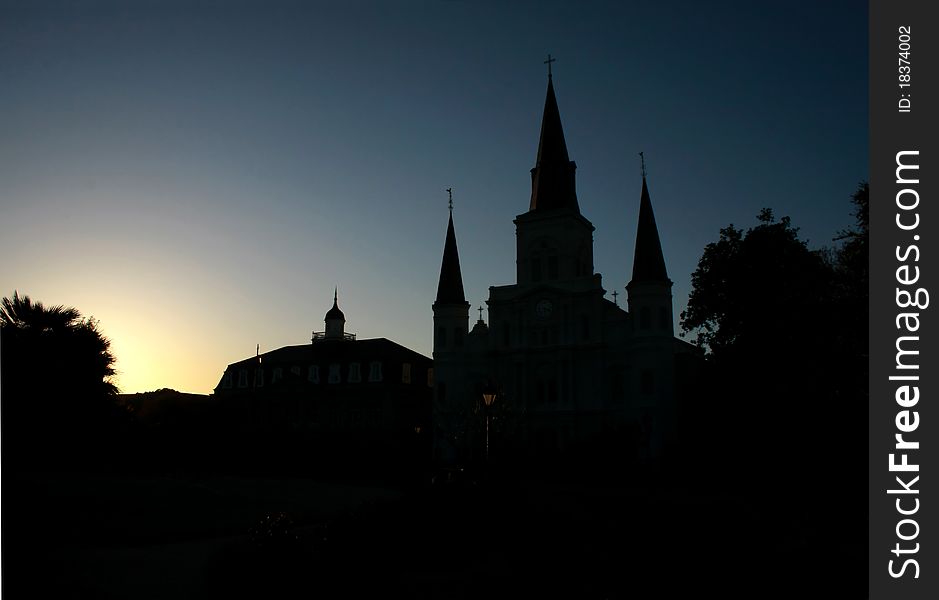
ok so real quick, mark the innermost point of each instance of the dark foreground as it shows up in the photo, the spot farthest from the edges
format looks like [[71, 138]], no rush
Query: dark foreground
[[99, 536]]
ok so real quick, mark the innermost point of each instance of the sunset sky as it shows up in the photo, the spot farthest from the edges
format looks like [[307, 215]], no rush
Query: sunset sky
[[199, 175]]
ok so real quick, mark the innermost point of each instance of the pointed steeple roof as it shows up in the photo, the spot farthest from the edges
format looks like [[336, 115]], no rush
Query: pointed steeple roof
[[648, 261], [552, 179], [450, 286], [334, 312]]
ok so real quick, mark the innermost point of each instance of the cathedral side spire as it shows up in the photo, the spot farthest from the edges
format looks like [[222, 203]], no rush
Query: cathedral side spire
[[650, 290], [450, 286], [552, 179], [648, 260]]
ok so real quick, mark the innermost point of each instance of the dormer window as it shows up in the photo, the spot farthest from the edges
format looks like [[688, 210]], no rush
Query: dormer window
[[334, 375], [313, 374], [355, 373], [227, 380], [243, 378], [259, 377], [295, 370], [278, 375], [374, 371]]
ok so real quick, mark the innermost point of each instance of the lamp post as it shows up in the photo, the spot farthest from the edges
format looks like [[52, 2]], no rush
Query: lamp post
[[489, 396]]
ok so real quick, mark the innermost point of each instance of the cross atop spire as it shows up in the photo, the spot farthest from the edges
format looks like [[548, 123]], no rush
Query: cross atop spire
[[615, 294], [642, 163], [480, 312], [450, 192], [548, 62]]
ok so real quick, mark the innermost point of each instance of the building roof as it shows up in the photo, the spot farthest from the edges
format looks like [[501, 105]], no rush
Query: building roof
[[338, 351], [552, 179], [450, 286], [648, 261], [334, 313]]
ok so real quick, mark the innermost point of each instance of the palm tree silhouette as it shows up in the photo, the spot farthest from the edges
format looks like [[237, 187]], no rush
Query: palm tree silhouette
[[57, 371]]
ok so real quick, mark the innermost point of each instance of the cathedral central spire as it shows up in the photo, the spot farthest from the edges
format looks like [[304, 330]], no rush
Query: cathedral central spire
[[552, 179]]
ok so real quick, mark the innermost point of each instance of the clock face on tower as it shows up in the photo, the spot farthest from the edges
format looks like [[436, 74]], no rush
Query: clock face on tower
[[543, 309]]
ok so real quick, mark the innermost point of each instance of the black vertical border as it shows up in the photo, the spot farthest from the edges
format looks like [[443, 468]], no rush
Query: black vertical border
[[891, 132]]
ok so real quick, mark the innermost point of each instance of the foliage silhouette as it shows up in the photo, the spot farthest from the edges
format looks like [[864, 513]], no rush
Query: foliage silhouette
[[754, 286], [785, 383], [58, 395]]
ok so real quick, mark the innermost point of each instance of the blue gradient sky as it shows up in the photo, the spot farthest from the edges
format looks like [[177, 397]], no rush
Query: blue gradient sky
[[199, 176]]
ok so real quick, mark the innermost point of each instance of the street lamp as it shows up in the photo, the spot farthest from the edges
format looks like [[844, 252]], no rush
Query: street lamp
[[489, 396]]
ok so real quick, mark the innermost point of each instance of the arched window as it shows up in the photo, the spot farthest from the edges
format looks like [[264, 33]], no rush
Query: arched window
[[406, 373], [334, 375]]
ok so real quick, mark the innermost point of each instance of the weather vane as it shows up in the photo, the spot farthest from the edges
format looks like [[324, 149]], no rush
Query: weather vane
[[548, 62], [642, 163], [450, 193]]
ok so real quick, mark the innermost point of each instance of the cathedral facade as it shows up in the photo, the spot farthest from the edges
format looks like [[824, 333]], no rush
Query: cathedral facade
[[558, 370]]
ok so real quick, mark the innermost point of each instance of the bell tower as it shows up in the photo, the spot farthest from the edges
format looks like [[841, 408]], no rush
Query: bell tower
[[451, 322], [554, 241], [650, 290]]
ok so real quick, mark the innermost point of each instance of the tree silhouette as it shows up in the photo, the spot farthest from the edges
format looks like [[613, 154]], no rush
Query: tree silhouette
[[756, 289], [58, 397], [786, 332], [850, 266]]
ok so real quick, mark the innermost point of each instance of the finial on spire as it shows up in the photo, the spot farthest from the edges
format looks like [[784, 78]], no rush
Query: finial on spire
[[336, 296], [450, 193], [548, 62], [642, 163], [615, 294], [480, 312]]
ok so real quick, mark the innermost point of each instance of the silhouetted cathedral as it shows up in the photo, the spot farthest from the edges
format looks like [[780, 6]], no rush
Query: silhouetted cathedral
[[573, 371]]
